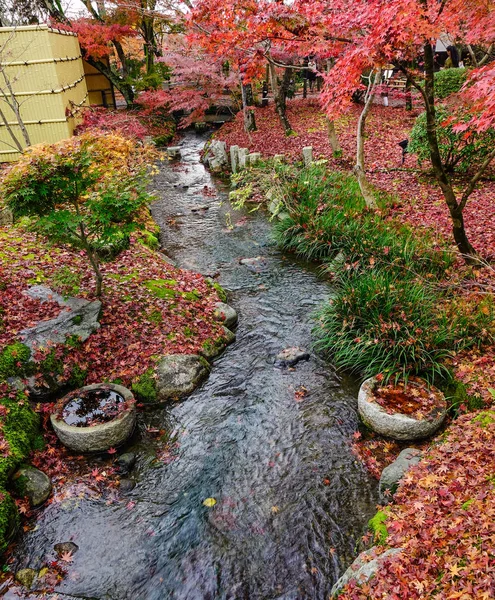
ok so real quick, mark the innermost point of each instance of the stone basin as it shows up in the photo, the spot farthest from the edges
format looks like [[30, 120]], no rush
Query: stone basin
[[397, 425], [96, 437]]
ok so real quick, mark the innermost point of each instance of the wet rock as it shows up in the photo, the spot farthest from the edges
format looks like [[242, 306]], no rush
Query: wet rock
[[200, 208], [396, 425], [212, 348], [228, 336], [291, 356], [6, 217], [179, 374], [363, 568], [216, 155], [125, 462], [173, 151], [33, 483], [392, 474], [226, 314], [78, 318], [255, 264], [64, 547], [101, 437], [26, 577], [126, 485]]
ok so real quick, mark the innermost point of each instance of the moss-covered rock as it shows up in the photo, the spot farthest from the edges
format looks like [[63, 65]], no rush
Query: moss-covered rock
[[19, 430], [145, 387], [14, 361]]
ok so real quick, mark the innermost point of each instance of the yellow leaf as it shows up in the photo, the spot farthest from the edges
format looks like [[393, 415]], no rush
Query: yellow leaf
[[209, 502]]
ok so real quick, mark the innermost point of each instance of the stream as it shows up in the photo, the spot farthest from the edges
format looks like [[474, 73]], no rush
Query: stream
[[291, 499]]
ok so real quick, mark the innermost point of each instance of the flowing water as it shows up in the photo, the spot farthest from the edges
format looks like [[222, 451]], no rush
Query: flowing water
[[291, 500]]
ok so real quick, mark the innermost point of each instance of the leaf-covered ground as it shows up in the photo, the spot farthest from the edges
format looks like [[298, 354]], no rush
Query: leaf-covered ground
[[444, 521], [421, 200], [149, 309]]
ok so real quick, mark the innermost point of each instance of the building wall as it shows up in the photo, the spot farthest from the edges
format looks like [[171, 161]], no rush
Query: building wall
[[100, 90], [45, 69]]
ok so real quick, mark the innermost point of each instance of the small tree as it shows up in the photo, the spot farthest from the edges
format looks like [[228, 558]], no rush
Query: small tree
[[85, 193]]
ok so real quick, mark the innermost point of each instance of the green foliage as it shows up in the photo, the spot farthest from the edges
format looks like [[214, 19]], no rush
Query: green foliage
[[378, 527], [449, 81], [9, 519], [389, 314], [78, 376], [162, 288], [145, 387], [456, 394], [66, 281], [327, 216], [459, 151], [86, 192], [14, 361]]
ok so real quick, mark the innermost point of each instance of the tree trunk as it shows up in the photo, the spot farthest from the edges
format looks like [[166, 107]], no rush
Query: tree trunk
[[455, 209], [249, 118], [333, 139], [360, 169], [279, 101]]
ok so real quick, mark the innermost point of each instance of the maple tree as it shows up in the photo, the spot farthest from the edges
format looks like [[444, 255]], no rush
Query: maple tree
[[379, 32], [81, 192]]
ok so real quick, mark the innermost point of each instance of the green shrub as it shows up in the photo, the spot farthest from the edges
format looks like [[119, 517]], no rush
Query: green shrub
[[459, 151], [449, 81], [14, 361]]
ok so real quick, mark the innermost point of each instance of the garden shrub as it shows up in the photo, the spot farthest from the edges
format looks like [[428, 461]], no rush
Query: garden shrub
[[459, 151], [449, 81], [86, 192]]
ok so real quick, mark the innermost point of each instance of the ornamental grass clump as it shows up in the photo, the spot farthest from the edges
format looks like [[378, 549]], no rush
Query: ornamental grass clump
[[384, 322], [327, 217]]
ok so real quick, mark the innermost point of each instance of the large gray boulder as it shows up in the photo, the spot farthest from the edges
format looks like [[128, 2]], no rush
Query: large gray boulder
[[392, 474], [33, 483], [78, 318], [225, 314], [396, 425], [363, 568], [179, 374], [101, 437]]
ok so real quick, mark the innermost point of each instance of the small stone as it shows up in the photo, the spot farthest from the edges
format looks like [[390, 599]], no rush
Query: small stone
[[279, 158], [26, 577], [253, 159], [228, 336], [291, 356], [234, 158], [392, 474], [243, 154], [126, 485], [173, 152], [307, 155], [226, 314], [179, 374], [253, 264], [34, 484], [65, 547], [125, 462]]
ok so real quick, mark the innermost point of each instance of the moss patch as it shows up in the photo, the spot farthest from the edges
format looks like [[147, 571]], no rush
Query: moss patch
[[145, 387], [162, 288], [378, 527], [14, 361]]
